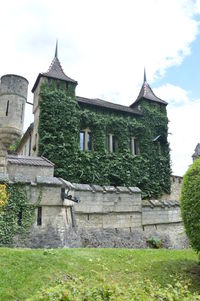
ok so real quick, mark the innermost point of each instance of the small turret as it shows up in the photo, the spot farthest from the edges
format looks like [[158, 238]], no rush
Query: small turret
[[13, 95]]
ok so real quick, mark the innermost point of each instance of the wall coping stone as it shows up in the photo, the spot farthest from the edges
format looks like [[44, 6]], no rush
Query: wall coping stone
[[49, 181], [123, 189], [67, 184], [162, 204], [97, 188], [82, 187], [109, 189], [134, 189]]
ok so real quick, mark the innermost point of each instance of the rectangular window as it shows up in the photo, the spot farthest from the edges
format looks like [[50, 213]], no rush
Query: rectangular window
[[39, 216], [82, 140], [111, 143], [85, 140], [7, 108], [134, 146], [89, 141], [29, 146], [19, 220], [108, 142], [114, 144]]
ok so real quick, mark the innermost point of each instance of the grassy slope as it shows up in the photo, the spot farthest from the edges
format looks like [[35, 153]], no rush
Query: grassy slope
[[23, 272]]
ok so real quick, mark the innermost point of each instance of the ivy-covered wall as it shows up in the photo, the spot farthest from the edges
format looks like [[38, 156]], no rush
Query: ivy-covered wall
[[16, 213], [61, 119]]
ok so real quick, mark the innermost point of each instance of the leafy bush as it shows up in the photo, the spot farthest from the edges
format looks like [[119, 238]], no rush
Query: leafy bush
[[155, 242], [190, 204], [76, 290], [3, 196]]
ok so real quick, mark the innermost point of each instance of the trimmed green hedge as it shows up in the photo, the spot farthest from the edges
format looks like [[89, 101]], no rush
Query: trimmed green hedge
[[190, 204]]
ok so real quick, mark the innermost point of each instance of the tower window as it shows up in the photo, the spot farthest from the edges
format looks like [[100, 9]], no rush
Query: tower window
[[39, 216], [7, 108], [22, 112]]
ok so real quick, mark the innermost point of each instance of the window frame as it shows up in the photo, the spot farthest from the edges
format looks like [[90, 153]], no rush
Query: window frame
[[134, 146], [86, 134], [111, 143]]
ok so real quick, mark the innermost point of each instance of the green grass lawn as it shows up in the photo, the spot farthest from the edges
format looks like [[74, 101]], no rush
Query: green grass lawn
[[24, 271]]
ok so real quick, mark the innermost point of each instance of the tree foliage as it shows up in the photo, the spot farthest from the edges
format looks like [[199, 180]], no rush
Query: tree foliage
[[190, 204]]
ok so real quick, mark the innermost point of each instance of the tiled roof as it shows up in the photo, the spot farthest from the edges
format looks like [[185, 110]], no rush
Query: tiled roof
[[32, 161], [146, 92], [106, 104], [56, 71]]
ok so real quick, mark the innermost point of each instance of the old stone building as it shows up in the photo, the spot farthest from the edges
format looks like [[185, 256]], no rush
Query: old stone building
[[91, 144], [108, 143]]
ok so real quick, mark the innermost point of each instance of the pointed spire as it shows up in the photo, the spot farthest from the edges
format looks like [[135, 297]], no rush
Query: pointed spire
[[56, 51], [147, 93], [145, 78]]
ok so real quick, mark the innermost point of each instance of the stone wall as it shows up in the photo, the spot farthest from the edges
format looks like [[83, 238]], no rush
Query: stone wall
[[176, 183], [105, 217], [117, 217]]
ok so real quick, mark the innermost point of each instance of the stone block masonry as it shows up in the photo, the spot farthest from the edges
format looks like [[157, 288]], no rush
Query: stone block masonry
[[117, 217], [106, 216]]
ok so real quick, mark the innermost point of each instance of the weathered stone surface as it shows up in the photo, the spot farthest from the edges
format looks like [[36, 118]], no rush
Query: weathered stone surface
[[82, 187], [4, 177], [102, 219], [52, 181]]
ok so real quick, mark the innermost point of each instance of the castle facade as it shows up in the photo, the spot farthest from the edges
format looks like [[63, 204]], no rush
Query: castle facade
[[96, 141]]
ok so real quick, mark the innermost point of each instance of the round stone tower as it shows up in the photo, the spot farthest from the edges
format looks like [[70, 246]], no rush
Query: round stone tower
[[13, 95]]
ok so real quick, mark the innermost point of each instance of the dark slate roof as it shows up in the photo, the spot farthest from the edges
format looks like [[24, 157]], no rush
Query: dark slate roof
[[31, 161], [55, 71], [106, 104], [147, 93]]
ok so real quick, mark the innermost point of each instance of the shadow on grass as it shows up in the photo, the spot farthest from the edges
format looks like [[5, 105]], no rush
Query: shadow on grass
[[188, 270]]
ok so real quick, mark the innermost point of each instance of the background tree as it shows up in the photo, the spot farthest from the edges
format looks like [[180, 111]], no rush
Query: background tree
[[190, 204]]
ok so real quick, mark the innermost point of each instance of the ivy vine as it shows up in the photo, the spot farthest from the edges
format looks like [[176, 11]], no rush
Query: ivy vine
[[17, 215], [61, 120]]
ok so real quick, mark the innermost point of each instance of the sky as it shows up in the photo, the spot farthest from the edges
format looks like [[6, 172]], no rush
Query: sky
[[105, 45]]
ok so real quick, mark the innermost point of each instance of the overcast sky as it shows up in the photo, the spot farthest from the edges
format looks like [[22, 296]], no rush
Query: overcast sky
[[104, 45]]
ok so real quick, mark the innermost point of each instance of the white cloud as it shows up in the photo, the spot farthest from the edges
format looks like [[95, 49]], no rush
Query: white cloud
[[184, 125], [174, 95], [184, 128]]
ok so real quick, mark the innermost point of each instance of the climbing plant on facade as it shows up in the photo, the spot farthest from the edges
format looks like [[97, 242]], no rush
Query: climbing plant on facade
[[17, 214], [61, 120]]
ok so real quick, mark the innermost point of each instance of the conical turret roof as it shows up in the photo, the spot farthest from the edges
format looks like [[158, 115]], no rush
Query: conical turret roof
[[147, 93], [55, 71]]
